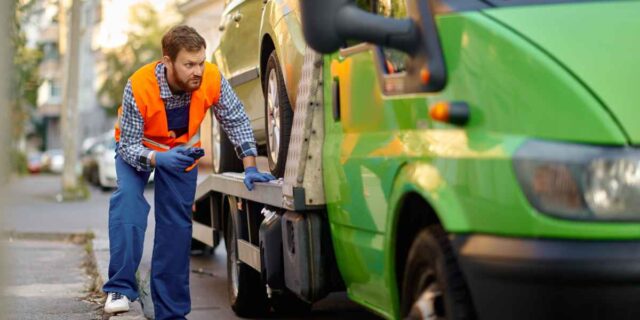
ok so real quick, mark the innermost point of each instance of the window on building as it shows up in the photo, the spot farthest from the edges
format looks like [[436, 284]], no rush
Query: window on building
[[50, 51], [56, 90]]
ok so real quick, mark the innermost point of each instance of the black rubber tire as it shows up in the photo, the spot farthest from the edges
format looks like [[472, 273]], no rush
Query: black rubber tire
[[251, 300], [431, 262], [200, 249], [286, 116], [288, 304], [229, 161]]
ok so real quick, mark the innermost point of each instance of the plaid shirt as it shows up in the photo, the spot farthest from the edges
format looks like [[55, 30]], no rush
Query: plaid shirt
[[229, 111]]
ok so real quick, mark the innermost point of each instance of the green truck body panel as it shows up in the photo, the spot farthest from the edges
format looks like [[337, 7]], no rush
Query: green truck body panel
[[602, 51], [518, 88]]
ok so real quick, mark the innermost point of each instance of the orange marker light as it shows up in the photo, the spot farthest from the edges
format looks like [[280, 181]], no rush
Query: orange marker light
[[439, 111], [425, 75], [454, 112]]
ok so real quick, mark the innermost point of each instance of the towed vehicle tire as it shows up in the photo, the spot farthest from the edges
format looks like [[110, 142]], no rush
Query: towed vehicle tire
[[288, 304], [433, 286], [278, 116], [247, 295]]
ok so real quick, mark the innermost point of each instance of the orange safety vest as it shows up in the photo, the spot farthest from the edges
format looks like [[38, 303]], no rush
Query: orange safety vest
[[146, 92]]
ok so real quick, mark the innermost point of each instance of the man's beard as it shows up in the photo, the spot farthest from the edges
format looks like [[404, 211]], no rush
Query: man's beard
[[190, 84]]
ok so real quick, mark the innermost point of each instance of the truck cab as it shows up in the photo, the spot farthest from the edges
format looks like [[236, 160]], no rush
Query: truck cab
[[479, 159]]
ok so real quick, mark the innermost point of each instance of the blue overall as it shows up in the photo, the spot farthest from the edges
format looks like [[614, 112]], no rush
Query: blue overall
[[128, 211]]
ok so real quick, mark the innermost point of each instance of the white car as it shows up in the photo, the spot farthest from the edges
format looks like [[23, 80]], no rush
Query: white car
[[107, 178], [53, 161]]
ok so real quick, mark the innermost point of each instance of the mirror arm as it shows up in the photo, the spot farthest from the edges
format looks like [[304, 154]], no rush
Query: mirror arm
[[353, 23]]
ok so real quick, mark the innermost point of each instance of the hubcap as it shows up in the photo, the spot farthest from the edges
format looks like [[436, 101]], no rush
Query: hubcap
[[273, 116], [215, 139], [235, 265], [430, 304]]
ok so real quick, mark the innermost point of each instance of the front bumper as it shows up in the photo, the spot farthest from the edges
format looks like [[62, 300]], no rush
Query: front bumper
[[516, 278]]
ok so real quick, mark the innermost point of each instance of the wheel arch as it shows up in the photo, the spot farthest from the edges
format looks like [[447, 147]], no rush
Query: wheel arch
[[420, 198], [266, 47], [414, 214]]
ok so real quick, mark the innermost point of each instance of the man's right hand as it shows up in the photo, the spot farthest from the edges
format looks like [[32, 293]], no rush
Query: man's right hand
[[173, 159]]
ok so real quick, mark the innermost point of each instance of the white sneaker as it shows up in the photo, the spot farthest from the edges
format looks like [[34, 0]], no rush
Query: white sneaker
[[116, 302]]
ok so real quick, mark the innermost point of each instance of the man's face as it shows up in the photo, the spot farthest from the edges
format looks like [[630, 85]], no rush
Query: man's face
[[186, 71]]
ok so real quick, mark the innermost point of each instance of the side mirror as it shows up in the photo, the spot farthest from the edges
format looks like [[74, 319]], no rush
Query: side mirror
[[328, 24]]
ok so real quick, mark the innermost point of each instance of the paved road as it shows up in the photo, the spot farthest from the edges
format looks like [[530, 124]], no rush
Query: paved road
[[31, 206], [210, 299]]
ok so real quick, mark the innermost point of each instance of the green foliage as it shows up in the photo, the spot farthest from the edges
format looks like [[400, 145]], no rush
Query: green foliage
[[143, 46], [26, 81]]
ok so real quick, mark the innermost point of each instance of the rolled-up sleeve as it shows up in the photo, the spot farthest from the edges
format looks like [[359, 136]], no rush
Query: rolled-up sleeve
[[234, 121], [130, 147]]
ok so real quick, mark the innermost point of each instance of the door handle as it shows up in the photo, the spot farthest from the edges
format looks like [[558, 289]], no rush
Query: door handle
[[221, 27], [335, 88], [237, 17]]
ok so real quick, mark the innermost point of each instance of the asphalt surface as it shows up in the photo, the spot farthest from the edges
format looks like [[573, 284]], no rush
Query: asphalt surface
[[31, 206]]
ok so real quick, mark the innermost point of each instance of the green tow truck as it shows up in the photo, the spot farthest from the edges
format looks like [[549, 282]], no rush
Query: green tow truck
[[449, 160]]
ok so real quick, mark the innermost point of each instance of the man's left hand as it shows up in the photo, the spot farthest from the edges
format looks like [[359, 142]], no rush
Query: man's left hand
[[251, 175]]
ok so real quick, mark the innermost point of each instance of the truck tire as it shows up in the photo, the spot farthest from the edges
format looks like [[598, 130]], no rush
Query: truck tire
[[278, 116], [433, 281], [288, 304], [247, 294], [201, 249], [223, 154]]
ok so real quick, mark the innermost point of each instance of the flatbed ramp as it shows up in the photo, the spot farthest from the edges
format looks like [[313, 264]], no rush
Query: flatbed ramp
[[232, 184]]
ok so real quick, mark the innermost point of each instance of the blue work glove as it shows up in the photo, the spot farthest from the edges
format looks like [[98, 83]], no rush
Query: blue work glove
[[174, 159], [195, 153], [252, 175]]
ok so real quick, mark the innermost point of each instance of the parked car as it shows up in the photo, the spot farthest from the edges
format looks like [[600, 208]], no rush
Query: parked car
[[99, 165], [34, 162], [260, 53], [90, 157], [107, 166], [53, 161]]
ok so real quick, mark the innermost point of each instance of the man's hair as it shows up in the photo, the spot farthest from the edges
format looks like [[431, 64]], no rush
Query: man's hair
[[181, 37]]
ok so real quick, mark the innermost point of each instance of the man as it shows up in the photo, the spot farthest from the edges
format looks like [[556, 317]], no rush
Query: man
[[163, 105]]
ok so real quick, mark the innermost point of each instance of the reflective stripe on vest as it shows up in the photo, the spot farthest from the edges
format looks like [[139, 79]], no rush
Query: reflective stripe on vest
[[192, 142]]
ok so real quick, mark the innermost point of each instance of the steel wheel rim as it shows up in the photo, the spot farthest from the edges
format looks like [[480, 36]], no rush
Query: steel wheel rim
[[215, 138], [429, 303], [273, 116], [235, 265]]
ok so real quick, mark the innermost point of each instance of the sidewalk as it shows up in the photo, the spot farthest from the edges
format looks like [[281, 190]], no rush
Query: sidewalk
[[46, 281], [30, 206]]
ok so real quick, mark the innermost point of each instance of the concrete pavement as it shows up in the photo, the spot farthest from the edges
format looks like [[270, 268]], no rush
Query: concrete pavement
[[46, 281]]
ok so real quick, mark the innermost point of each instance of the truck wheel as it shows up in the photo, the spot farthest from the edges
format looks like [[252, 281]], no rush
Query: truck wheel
[[223, 155], [288, 304], [201, 249], [433, 286], [247, 295], [278, 116]]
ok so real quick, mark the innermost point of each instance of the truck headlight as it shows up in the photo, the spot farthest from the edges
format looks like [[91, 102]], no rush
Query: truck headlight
[[580, 181]]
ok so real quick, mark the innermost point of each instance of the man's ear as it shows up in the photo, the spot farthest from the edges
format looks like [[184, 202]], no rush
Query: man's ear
[[166, 60]]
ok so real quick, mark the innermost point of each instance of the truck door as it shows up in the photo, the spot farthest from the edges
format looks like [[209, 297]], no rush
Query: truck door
[[362, 154], [239, 54]]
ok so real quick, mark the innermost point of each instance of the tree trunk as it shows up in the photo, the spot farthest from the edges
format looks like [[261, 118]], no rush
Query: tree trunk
[[71, 188]]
